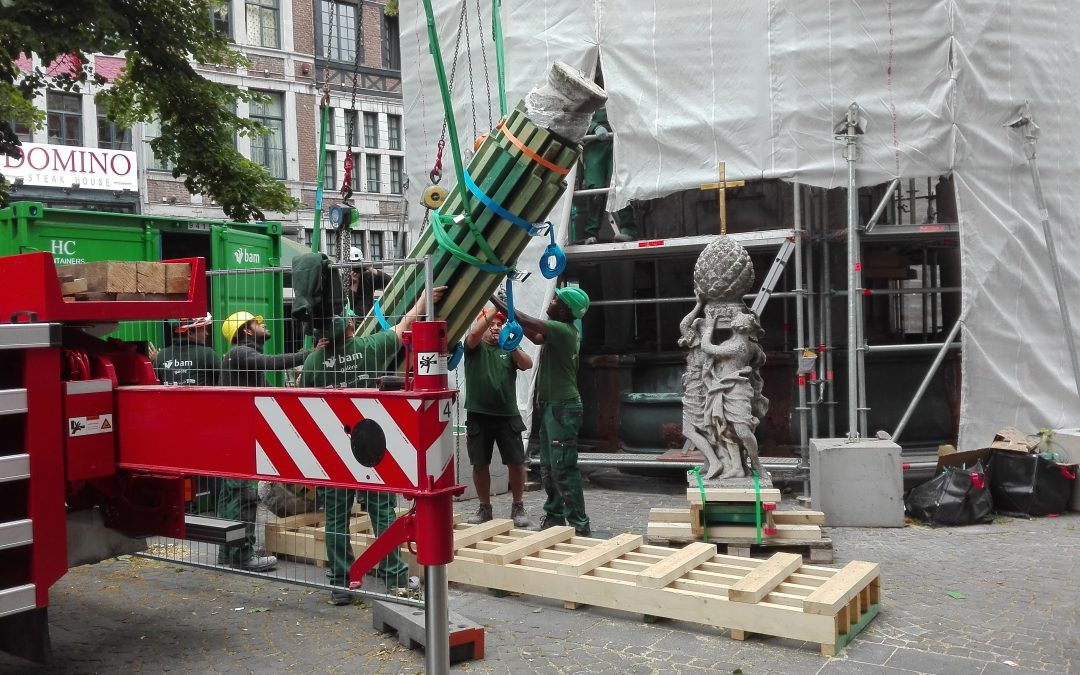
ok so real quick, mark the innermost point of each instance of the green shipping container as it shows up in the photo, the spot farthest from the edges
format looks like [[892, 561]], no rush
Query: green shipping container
[[89, 236]]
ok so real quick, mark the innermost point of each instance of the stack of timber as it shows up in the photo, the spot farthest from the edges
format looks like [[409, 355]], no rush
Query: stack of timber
[[510, 177], [124, 280], [728, 517], [780, 596]]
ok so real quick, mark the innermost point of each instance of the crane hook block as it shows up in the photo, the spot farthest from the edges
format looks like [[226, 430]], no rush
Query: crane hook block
[[433, 197]]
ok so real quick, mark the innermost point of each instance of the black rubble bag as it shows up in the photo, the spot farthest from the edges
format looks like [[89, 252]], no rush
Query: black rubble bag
[[955, 497], [1029, 484]]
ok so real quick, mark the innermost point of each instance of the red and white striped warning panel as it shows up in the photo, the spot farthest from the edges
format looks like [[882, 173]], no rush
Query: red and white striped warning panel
[[291, 436]]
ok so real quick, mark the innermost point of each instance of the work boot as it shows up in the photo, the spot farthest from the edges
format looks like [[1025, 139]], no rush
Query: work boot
[[517, 514], [583, 532], [622, 237], [259, 563], [550, 521], [483, 514], [589, 241], [340, 597]]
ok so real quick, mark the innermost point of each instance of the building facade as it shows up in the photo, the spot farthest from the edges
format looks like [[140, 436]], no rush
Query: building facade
[[295, 48]]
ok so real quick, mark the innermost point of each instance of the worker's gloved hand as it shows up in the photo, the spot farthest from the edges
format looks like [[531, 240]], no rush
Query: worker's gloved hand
[[500, 294], [601, 133]]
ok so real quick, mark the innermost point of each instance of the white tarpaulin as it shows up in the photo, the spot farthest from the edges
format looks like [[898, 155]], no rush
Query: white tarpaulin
[[761, 86]]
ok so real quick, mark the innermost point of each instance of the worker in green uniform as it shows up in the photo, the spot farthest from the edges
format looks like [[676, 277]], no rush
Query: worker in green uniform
[[244, 365], [597, 160], [560, 406], [188, 360], [349, 362], [493, 415]]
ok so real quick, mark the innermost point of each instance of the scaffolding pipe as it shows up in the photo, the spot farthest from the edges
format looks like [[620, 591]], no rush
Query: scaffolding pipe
[[1031, 139], [687, 299], [591, 191], [925, 384], [904, 291], [847, 130], [826, 368], [882, 205], [811, 324], [800, 341], [919, 347]]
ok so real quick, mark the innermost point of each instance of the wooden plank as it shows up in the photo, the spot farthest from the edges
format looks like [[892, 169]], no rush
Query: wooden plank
[[474, 533], [669, 515], [761, 581], [74, 286], [106, 276], [149, 277], [799, 517], [768, 495], [177, 277], [739, 533], [595, 556], [838, 591], [680, 562], [516, 550]]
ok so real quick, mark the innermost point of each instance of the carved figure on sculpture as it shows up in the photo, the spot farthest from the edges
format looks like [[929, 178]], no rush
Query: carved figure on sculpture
[[722, 385]]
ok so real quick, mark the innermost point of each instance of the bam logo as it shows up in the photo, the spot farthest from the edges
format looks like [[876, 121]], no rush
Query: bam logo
[[243, 255]]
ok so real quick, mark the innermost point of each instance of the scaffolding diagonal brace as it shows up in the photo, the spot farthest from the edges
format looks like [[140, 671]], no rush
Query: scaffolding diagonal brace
[[771, 279]]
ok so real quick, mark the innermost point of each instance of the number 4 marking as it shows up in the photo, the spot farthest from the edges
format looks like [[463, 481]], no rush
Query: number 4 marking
[[444, 411]]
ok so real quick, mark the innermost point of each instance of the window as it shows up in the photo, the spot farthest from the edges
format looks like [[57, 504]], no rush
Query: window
[[269, 150], [393, 132], [330, 177], [372, 173], [352, 121], [219, 17], [331, 133], [371, 130], [330, 242], [358, 239], [22, 130], [391, 43], [398, 239], [109, 135], [338, 31], [263, 17], [396, 174], [376, 245], [65, 118], [151, 130]]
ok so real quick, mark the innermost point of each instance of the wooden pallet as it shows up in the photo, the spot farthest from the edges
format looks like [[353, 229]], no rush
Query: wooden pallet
[[781, 596], [302, 538]]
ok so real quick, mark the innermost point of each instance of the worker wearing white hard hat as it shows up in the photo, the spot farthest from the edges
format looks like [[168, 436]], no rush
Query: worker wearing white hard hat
[[188, 360]]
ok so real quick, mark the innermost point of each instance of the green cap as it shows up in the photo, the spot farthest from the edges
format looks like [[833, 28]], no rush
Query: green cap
[[330, 329], [575, 299]]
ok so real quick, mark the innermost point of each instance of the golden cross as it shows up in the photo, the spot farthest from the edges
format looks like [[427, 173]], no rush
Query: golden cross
[[722, 185]]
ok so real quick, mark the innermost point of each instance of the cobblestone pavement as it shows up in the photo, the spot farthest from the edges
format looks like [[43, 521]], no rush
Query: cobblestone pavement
[[1020, 612]]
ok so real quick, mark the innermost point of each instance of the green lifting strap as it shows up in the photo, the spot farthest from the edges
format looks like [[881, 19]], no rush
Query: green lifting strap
[[500, 62], [696, 472], [757, 505]]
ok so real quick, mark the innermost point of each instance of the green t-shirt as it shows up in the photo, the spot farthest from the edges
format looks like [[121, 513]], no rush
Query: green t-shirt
[[187, 363], [490, 377], [354, 364], [557, 379]]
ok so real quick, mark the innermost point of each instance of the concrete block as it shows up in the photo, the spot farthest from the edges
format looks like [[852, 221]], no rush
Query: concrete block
[[466, 637], [857, 483], [500, 477]]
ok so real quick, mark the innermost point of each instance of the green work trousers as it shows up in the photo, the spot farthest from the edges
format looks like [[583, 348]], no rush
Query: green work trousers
[[560, 423], [238, 500], [380, 506]]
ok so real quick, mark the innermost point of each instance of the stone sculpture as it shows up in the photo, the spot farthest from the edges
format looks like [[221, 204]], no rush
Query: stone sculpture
[[722, 400]]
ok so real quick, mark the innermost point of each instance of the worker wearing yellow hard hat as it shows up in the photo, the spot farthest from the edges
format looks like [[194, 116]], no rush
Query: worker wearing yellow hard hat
[[560, 405], [245, 365]]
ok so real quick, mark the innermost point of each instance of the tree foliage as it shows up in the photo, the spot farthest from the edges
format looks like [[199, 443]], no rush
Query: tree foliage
[[161, 40]]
